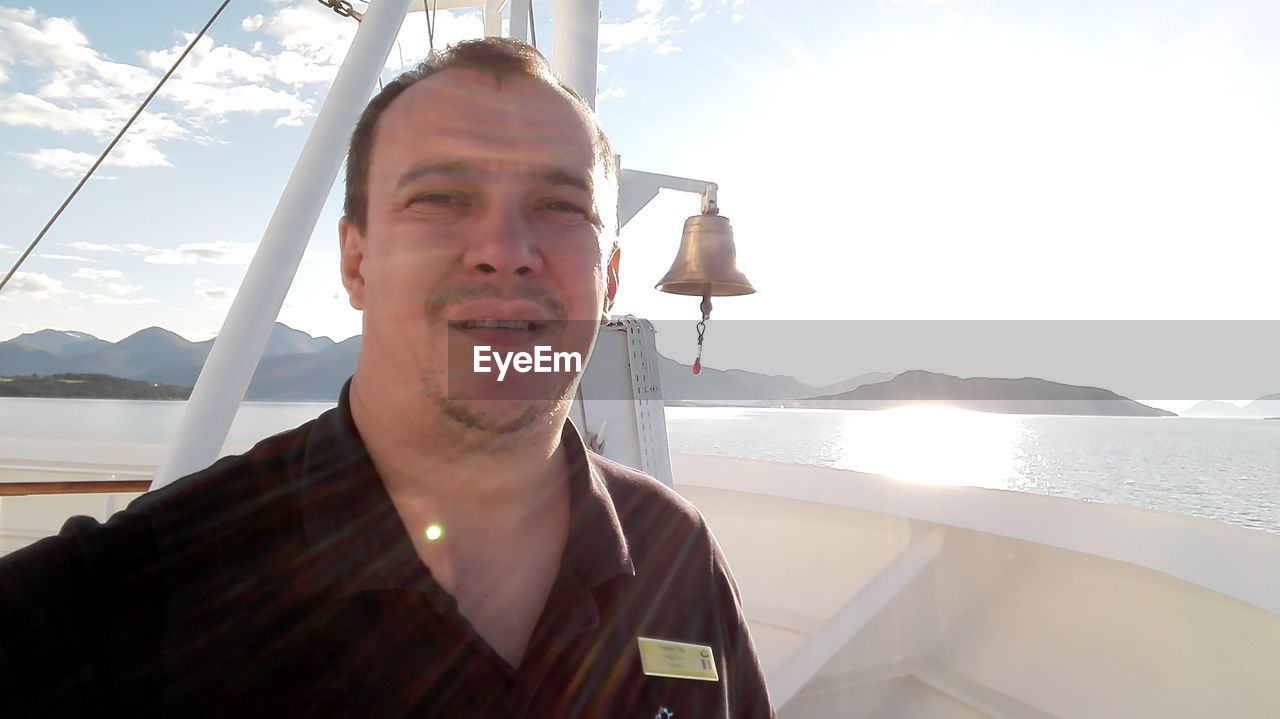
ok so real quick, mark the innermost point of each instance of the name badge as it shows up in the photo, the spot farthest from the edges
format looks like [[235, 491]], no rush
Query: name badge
[[677, 660]]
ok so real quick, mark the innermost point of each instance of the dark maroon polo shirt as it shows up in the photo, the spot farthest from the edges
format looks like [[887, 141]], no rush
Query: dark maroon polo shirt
[[282, 583]]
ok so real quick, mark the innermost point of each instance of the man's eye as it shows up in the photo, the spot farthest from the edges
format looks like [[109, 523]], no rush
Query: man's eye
[[436, 199], [564, 206]]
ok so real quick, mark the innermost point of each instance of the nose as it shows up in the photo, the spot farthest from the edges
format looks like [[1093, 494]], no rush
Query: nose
[[503, 242]]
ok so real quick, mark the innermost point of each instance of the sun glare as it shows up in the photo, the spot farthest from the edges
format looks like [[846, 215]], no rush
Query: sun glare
[[933, 445]]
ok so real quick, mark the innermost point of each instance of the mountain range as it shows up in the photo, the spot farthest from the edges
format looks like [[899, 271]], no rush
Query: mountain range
[[1265, 406], [298, 367], [158, 355]]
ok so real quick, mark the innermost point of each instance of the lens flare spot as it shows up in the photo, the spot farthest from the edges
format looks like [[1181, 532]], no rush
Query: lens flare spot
[[433, 532]]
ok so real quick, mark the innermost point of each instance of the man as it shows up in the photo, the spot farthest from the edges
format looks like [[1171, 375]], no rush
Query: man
[[439, 545]]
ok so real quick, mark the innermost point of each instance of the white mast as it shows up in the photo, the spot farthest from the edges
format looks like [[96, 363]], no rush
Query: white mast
[[235, 354], [577, 37]]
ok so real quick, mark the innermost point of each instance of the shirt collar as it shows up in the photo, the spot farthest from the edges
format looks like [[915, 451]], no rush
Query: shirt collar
[[358, 540], [597, 547]]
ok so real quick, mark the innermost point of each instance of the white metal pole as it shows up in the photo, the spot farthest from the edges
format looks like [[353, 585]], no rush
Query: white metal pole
[[577, 39], [519, 29], [235, 354], [493, 18]]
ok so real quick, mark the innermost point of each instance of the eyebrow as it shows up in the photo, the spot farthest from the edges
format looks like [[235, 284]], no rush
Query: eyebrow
[[461, 169]]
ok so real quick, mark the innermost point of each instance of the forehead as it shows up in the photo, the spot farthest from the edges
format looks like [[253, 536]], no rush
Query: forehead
[[464, 114]]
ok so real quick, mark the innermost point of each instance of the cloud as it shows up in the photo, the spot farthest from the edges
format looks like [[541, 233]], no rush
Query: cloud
[[616, 36], [610, 92], [310, 41], [312, 32], [190, 253], [294, 52], [119, 289], [23, 110], [131, 152], [216, 297], [650, 27], [93, 247], [213, 253], [70, 258], [667, 47], [88, 273], [215, 101], [216, 80], [35, 285], [79, 91], [101, 299], [61, 161]]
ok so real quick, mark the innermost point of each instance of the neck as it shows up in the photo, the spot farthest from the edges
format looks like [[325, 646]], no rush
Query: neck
[[427, 459]]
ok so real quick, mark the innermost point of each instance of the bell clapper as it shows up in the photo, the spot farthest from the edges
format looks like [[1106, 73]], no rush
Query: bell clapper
[[702, 329]]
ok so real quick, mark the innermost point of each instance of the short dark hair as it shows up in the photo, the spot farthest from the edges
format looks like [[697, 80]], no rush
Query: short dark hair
[[499, 56]]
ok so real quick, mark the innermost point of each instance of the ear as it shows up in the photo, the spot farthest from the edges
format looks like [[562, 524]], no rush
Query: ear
[[611, 270], [351, 247]]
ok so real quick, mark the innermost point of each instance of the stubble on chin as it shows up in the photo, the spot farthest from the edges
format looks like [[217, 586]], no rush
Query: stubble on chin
[[508, 424], [505, 426]]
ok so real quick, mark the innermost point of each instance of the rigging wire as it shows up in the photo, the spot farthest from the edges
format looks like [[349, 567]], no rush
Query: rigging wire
[[58, 213], [431, 25]]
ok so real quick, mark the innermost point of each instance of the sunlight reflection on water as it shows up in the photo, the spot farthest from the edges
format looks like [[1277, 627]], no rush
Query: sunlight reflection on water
[[1222, 469], [933, 445]]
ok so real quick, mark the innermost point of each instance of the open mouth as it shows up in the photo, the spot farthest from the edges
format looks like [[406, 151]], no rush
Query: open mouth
[[502, 332], [519, 325]]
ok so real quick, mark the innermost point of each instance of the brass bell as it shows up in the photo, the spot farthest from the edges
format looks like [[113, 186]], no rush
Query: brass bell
[[706, 264]]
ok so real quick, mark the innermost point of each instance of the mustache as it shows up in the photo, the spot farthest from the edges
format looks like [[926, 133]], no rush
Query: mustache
[[443, 298]]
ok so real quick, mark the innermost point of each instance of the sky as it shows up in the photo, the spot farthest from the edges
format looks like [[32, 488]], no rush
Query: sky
[[879, 159]]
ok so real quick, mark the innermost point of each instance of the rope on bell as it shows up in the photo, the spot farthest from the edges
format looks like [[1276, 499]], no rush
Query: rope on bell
[[702, 329]]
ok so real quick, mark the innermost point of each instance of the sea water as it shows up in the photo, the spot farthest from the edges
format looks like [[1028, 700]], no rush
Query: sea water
[[1221, 469]]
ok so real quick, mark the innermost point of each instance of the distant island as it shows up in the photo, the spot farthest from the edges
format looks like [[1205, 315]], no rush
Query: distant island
[[1026, 395], [89, 386], [1265, 407]]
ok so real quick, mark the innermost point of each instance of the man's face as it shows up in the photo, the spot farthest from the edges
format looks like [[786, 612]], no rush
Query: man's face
[[483, 206]]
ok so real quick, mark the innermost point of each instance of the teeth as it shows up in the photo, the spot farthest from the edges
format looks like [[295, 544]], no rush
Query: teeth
[[501, 324]]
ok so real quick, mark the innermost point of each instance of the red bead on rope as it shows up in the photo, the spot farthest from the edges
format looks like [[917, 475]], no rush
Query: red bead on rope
[[697, 366]]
